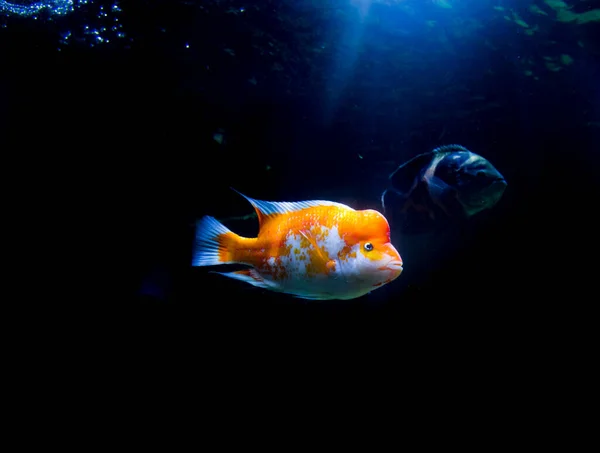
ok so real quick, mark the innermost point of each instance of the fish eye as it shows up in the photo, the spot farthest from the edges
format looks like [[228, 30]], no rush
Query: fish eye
[[368, 246]]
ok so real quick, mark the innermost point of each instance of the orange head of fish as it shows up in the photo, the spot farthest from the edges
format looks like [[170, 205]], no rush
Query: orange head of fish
[[370, 256]]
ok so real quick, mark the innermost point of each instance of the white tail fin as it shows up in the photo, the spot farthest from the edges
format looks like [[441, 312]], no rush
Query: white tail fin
[[209, 248]]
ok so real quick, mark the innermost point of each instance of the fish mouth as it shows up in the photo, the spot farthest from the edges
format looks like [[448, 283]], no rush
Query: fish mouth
[[498, 187], [394, 265]]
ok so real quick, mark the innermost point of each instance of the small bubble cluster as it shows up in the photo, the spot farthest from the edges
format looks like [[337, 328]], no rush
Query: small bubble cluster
[[94, 23], [34, 8], [100, 26]]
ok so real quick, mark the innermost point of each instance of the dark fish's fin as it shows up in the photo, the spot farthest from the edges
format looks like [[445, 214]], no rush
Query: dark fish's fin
[[403, 178], [445, 197], [391, 199], [248, 276], [438, 189], [265, 209], [449, 149], [303, 296]]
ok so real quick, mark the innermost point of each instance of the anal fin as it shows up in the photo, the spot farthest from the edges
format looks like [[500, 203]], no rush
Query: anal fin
[[248, 276]]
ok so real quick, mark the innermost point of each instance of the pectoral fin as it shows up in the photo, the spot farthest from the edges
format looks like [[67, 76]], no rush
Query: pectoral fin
[[438, 189], [319, 251], [444, 196]]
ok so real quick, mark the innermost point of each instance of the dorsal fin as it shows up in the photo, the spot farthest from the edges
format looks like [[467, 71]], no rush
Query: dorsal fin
[[402, 179], [449, 149], [265, 209]]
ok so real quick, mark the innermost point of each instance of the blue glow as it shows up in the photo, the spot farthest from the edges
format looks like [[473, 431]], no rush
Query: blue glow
[[33, 8], [345, 61]]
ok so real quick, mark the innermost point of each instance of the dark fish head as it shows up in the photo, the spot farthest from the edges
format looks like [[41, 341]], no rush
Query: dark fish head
[[483, 198], [477, 183]]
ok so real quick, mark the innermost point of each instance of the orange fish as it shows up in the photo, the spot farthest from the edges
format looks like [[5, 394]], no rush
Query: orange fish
[[310, 249]]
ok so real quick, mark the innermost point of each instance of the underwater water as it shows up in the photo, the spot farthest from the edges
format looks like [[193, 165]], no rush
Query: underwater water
[[135, 119]]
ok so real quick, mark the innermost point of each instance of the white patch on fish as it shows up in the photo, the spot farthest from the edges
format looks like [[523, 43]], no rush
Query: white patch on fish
[[292, 263], [472, 158], [331, 241]]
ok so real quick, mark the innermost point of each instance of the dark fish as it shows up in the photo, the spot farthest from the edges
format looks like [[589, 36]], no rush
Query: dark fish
[[448, 183]]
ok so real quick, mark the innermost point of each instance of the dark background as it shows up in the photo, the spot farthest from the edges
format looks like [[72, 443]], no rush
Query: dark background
[[109, 160]]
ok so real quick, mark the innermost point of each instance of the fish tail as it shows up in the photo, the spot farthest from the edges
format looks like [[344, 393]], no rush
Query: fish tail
[[214, 244]]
